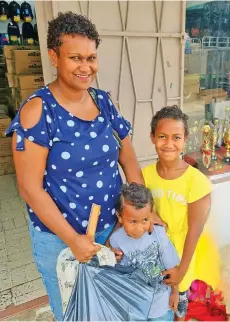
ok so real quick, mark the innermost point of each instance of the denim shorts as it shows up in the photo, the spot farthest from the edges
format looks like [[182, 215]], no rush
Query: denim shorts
[[46, 248], [168, 316]]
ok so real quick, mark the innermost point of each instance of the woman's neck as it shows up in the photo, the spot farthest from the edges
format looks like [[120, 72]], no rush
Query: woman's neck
[[67, 93]]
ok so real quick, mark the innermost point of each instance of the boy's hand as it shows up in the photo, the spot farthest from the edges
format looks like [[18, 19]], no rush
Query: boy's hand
[[175, 276], [174, 299], [118, 254]]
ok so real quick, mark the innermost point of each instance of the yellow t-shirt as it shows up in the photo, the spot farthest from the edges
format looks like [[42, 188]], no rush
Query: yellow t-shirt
[[171, 198]]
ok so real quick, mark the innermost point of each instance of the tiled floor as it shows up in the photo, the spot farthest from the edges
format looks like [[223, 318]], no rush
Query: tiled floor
[[20, 281]]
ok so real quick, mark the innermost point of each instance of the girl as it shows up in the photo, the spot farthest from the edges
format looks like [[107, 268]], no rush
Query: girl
[[182, 200]]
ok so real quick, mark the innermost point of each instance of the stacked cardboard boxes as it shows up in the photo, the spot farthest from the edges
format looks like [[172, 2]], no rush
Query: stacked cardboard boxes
[[24, 72], [6, 159]]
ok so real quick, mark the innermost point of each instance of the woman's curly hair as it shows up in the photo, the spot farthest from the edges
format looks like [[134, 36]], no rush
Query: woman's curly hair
[[70, 23], [170, 112]]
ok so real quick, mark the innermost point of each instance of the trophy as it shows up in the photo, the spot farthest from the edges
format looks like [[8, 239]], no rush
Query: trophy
[[226, 158], [194, 133], [226, 121], [206, 146], [215, 137]]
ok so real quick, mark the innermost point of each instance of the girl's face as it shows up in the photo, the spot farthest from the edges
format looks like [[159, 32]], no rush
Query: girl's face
[[76, 62], [169, 139]]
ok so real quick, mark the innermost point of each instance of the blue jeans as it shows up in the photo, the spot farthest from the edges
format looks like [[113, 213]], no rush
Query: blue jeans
[[46, 248], [168, 316]]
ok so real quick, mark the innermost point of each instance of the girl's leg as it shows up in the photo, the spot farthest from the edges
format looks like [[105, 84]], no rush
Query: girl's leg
[[46, 247]]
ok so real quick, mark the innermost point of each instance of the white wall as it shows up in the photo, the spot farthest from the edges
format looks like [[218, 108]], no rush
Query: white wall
[[219, 220], [4, 24]]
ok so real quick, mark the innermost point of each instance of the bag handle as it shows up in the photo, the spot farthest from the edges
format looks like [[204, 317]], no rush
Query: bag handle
[[93, 220]]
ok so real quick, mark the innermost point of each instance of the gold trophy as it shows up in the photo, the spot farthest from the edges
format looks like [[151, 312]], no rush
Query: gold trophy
[[226, 158], [206, 146], [215, 137], [225, 122]]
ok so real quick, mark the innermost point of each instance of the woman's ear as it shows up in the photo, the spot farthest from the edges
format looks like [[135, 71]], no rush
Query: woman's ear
[[53, 57]]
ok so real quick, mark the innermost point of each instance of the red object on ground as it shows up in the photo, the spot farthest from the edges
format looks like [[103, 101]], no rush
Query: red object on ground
[[205, 304]]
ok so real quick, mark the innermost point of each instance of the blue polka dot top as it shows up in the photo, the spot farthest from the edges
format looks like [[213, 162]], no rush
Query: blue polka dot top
[[82, 164]]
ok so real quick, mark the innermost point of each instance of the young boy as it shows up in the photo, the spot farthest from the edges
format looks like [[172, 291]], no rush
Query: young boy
[[152, 253]]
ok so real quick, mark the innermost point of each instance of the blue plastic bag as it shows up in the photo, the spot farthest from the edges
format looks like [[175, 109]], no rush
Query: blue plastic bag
[[109, 294]]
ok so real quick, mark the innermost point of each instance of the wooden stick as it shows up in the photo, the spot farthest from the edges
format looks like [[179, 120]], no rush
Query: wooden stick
[[93, 220]]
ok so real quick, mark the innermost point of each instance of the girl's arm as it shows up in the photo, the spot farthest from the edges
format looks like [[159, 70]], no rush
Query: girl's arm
[[198, 213]]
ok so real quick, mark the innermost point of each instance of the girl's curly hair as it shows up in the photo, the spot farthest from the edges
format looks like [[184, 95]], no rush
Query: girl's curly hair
[[170, 112]]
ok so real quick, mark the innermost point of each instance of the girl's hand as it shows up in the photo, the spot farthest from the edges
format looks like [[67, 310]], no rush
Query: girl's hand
[[175, 276], [174, 300], [156, 220]]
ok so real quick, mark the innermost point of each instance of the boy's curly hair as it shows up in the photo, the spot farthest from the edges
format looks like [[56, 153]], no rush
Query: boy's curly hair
[[134, 194], [70, 23], [170, 112]]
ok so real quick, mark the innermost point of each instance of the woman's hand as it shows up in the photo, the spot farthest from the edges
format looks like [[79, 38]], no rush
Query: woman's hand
[[83, 248], [175, 276]]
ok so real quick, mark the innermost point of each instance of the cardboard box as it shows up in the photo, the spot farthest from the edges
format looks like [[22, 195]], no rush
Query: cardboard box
[[190, 98], [10, 66], [30, 81], [4, 123], [27, 62], [191, 79], [3, 110], [23, 94], [16, 103], [191, 84], [13, 91], [194, 107], [12, 80], [218, 93], [196, 62], [6, 165], [9, 50], [5, 147], [215, 92]]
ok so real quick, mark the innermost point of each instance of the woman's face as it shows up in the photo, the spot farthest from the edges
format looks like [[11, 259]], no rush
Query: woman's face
[[76, 62]]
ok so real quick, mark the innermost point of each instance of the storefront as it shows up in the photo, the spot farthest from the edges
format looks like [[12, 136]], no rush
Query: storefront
[[153, 54]]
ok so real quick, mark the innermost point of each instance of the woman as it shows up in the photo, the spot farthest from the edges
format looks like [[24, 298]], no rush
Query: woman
[[67, 143]]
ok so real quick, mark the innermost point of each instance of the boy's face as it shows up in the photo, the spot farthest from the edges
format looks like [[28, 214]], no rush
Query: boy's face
[[136, 222], [169, 139]]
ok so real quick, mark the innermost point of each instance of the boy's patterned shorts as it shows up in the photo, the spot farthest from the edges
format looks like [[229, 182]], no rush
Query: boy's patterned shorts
[[182, 305]]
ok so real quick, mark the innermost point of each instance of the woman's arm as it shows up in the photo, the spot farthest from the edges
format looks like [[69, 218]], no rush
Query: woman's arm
[[129, 163], [198, 213], [30, 166]]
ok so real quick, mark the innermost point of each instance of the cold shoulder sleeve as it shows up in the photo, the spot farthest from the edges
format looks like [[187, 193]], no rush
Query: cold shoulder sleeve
[[42, 133]]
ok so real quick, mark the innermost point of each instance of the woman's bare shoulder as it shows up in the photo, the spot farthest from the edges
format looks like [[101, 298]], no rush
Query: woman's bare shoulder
[[31, 112]]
